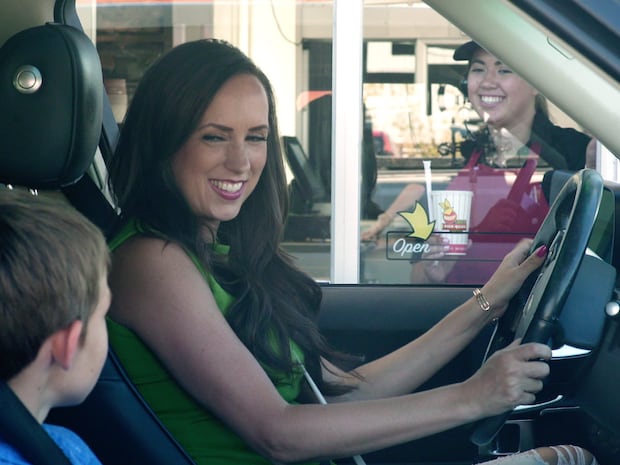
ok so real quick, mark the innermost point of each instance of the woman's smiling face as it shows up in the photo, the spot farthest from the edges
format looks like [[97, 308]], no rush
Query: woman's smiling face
[[501, 98], [220, 164]]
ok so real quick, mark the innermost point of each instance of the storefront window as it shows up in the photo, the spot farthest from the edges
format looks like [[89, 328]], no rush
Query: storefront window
[[414, 118]]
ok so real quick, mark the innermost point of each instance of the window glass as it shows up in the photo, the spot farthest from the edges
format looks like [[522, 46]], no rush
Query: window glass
[[289, 40], [453, 192], [422, 138]]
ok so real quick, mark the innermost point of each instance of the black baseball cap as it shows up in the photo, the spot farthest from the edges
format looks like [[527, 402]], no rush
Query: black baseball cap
[[465, 51]]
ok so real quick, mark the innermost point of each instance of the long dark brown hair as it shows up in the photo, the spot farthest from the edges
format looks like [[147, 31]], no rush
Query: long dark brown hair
[[273, 296]]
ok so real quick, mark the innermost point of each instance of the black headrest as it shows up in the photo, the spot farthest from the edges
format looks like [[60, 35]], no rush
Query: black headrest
[[51, 106]]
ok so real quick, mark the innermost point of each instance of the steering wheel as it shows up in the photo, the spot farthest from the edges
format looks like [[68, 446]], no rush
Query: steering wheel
[[533, 312]]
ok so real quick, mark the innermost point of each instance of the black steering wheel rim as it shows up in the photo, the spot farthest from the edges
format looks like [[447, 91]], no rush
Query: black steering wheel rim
[[534, 310]]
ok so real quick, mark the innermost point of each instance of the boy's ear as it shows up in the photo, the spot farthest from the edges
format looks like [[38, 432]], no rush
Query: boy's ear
[[65, 343]]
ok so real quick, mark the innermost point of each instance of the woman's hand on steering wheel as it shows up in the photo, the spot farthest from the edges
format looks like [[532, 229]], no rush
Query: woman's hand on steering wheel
[[510, 377], [510, 275], [534, 312]]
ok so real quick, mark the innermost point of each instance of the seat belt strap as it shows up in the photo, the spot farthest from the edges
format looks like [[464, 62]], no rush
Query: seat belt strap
[[20, 429]]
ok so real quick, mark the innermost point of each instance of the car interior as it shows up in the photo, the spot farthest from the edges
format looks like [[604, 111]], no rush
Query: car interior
[[62, 83], [60, 127]]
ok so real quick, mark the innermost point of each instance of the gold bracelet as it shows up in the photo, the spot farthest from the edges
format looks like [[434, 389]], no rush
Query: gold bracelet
[[482, 301]]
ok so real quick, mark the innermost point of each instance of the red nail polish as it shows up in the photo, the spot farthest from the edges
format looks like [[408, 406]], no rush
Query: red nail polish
[[542, 251]]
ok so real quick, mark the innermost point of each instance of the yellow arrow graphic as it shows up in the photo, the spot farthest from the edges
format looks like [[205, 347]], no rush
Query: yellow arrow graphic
[[418, 220]]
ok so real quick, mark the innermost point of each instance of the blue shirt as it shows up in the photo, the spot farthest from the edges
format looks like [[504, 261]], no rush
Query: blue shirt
[[70, 443]]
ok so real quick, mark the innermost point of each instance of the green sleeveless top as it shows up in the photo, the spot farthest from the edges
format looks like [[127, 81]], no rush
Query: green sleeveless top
[[205, 438]]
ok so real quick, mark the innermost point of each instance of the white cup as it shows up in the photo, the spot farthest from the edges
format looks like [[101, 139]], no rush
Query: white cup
[[451, 211]]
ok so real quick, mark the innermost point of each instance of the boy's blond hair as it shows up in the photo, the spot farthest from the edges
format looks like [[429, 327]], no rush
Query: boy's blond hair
[[52, 260]]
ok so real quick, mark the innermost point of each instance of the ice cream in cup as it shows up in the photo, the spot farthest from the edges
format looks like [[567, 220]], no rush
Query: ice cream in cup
[[451, 211]]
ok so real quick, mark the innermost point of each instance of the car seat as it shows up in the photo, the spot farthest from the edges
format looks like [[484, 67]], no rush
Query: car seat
[[52, 100]]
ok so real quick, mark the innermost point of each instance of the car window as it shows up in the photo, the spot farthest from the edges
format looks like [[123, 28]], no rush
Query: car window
[[437, 213]]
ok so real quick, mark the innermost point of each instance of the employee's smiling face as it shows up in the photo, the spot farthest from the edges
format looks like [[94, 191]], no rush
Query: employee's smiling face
[[501, 98]]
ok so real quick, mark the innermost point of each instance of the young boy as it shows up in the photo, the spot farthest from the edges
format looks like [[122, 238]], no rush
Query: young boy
[[54, 298]]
